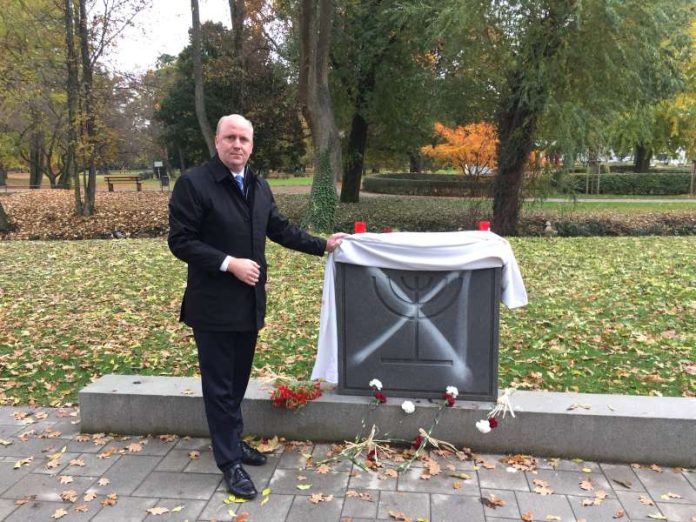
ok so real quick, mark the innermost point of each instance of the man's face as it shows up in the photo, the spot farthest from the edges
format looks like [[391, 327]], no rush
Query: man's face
[[234, 143]]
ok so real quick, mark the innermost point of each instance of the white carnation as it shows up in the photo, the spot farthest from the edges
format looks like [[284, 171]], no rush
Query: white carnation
[[408, 407], [453, 391], [376, 384], [483, 426]]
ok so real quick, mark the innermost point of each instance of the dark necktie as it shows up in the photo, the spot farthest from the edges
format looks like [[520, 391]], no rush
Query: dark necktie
[[239, 180]]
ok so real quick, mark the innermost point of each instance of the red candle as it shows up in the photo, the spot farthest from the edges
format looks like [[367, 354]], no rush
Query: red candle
[[359, 227], [484, 225]]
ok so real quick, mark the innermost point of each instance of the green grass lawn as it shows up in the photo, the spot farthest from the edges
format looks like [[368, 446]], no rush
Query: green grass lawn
[[609, 315]]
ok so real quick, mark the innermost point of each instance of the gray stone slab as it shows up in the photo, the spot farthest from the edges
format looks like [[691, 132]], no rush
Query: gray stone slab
[[285, 481], [690, 475], [94, 467], [205, 463], [509, 509], [194, 443], [9, 475], [40, 511], [568, 482], [364, 506], [149, 446], [612, 428], [6, 507], [322, 452], [410, 480], [604, 512], [453, 508], [620, 476], [361, 479], [276, 508], [7, 431], [501, 478], [294, 457], [195, 486], [667, 481], [75, 446], [175, 460], [126, 474], [567, 465], [190, 510], [46, 488], [541, 506], [303, 510], [413, 505], [678, 512], [31, 448], [62, 465], [127, 509], [635, 509]]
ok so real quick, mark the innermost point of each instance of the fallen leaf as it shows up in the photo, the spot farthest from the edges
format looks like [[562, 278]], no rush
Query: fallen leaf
[[23, 462], [392, 473], [25, 500], [158, 510], [398, 515], [110, 500], [320, 497], [176, 509], [134, 447], [656, 468], [657, 517], [77, 463], [236, 500], [304, 487], [65, 479], [646, 500], [4, 442], [268, 445], [462, 476], [59, 513], [625, 483], [576, 405], [242, 517], [669, 495], [194, 455], [266, 492], [494, 502], [82, 508], [527, 517], [69, 496], [89, 497], [323, 469], [103, 481], [457, 485], [587, 485], [553, 517], [619, 514]]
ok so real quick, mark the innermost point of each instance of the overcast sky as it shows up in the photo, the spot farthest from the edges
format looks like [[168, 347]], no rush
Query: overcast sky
[[163, 28]]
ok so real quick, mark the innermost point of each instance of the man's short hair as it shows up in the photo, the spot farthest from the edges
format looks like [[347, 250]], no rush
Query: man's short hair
[[237, 117]]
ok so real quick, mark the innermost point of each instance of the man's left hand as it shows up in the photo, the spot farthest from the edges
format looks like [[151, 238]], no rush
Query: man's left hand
[[334, 241]]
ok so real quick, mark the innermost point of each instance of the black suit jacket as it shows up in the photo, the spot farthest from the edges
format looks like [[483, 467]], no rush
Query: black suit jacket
[[209, 219]]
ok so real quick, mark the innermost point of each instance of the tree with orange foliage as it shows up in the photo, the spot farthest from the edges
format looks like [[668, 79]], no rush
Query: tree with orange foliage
[[471, 148]]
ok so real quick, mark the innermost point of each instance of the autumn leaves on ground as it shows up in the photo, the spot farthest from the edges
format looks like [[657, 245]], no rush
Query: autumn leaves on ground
[[606, 315]]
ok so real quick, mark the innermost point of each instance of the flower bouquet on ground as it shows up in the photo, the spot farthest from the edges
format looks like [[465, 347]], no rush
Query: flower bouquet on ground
[[293, 395]]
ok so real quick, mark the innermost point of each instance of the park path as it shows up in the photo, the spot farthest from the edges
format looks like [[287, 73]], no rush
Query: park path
[[46, 466]]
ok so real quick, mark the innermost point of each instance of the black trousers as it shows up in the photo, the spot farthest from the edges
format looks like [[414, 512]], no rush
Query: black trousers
[[225, 360]]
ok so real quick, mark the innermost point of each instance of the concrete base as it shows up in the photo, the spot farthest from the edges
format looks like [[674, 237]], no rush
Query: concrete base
[[614, 428]]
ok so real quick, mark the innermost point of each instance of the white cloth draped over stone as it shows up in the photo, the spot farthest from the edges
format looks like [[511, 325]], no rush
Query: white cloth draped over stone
[[418, 251]]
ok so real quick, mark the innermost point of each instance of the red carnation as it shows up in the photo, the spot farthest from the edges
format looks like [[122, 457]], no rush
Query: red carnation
[[417, 442], [372, 456], [381, 398], [450, 400], [492, 422]]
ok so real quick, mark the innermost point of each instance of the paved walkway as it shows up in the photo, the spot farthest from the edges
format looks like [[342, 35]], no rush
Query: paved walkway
[[47, 468]]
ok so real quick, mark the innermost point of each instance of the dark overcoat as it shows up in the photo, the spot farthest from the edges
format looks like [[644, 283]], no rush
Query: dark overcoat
[[209, 219]]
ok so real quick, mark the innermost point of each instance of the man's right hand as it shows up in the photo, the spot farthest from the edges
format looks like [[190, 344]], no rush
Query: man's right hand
[[246, 270]]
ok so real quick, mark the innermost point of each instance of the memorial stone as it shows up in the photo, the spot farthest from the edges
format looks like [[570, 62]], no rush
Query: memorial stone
[[418, 331]]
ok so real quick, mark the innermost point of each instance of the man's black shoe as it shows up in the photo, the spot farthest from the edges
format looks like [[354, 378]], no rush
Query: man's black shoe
[[251, 456], [239, 483]]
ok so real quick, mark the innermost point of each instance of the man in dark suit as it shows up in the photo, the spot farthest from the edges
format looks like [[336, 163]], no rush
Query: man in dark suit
[[219, 217]]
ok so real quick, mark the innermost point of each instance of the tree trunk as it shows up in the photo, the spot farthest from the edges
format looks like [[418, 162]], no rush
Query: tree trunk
[[415, 162], [90, 117], [35, 159], [72, 88], [516, 129], [315, 100], [357, 142], [5, 225], [199, 91], [238, 11], [643, 157], [3, 175]]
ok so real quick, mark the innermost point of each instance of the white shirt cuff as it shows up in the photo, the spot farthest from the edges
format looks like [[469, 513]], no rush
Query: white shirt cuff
[[225, 263]]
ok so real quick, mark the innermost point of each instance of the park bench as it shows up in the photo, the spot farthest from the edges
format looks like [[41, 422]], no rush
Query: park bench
[[111, 180]]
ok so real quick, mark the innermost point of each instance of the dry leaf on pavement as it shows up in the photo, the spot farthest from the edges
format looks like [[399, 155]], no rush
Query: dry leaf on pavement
[[494, 502]]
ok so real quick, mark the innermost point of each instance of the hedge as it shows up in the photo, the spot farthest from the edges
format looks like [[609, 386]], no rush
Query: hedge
[[631, 183], [428, 184]]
